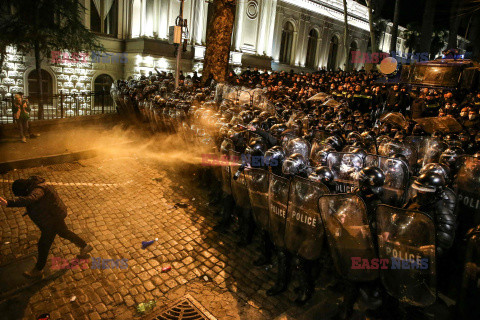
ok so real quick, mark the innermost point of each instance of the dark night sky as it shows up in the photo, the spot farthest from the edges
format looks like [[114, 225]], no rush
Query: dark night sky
[[412, 11]]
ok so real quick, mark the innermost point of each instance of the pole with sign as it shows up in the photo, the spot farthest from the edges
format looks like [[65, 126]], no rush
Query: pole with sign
[[178, 41]]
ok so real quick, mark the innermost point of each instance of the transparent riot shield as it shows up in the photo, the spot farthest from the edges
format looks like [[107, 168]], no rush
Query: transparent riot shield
[[390, 148], [470, 292], [397, 178], [349, 236], [278, 193], [467, 183], [258, 181], [238, 181], [226, 147], [298, 145], [430, 151], [346, 167], [304, 232], [406, 239]]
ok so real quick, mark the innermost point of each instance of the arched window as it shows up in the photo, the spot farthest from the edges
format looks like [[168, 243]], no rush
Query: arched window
[[34, 94], [332, 53], [103, 100], [286, 43], [312, 49], [33, 87]]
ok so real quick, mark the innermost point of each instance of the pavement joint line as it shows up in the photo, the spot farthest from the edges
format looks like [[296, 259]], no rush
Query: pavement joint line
[[76, 184]]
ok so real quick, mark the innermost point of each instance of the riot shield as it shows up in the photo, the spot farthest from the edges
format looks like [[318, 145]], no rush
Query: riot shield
[[298, 145], [390, 148], [304, 232], [397, 178], [257, 182], [227, 146], [349, 236], [443, 124], [467, 208], [470, 292], [406, 239], [278, 193], [346, 167], [430, 151], [238, 181]]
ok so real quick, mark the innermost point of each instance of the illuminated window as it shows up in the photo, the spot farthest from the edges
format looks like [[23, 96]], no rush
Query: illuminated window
[[104, 16]]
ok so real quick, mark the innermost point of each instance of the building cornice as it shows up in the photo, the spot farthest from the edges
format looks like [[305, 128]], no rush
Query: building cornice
[[357, 13]]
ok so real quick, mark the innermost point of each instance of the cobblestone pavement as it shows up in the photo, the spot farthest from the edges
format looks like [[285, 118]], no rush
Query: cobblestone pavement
[[115, 204]]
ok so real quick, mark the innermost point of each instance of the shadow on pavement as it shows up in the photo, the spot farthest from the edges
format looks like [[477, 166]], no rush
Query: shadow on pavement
[[16, 290]]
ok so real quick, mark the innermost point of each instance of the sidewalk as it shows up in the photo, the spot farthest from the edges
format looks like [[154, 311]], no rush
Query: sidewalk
[[60, 144]]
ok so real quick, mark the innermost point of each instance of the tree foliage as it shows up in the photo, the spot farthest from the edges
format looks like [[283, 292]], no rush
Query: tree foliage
[[43, 26]]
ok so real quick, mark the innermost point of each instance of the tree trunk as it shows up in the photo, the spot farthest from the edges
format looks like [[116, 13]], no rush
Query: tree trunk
[[427, 27], [454, 23], [396, 16], [345, 37], [219, 39], [3, 54], [372, 26], [38, 67]]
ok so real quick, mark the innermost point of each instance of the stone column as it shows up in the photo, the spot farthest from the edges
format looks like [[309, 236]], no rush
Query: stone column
[[277, 37], [271, 27], [265, 9], [238, 26]]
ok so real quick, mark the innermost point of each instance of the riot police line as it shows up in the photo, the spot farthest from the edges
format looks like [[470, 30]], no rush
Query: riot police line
[[407, 197]]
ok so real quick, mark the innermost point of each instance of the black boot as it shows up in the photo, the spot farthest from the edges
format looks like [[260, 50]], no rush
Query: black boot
[[349, 299], [246, 227], [226, 213], [266, 248], [305, 281], [282, 275]]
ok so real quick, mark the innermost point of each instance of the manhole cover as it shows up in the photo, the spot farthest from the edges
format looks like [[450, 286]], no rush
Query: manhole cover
[[186, 308]]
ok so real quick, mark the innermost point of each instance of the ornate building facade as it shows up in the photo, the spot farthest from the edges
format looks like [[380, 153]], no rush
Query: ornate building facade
[[303, 35]]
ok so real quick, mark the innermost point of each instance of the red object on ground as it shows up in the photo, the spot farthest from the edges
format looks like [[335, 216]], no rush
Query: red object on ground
[[166, 269]]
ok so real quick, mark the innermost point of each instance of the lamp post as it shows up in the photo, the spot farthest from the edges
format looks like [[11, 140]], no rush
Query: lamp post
[[179, 23]]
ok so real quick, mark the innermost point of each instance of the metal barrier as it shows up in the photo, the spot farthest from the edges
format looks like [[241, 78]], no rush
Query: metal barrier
[[61, 105]]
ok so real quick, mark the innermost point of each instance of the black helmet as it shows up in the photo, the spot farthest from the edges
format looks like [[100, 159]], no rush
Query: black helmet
[[247, 116], [322, 174], [270, 122], [429, 182], [294, 165], [274, 158], [368, 137], [255, 152], [335, 141], [320, 157], [226, 147], [278, 129], [437, 134], [371, 180], [437, 168], [257, 147], [256, 123], [451, 158], [353, 137]]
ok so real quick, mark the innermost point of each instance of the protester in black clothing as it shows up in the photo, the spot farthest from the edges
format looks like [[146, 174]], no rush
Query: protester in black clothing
[[47, 210]]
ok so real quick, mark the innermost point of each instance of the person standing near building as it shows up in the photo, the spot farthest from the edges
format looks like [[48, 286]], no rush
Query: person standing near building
[[21, 115], [48, 212]]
